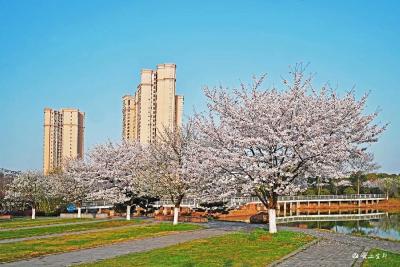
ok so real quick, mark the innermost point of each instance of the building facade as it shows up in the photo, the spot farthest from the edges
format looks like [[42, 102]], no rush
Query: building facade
[[154, 107], [63, 137]]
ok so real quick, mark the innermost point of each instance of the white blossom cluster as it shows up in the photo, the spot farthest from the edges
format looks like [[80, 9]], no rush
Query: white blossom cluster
[[170, 174], [268, 142], [111, 172], [27, 189]]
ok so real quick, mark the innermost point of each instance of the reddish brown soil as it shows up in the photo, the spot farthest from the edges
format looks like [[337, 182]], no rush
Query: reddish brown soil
[[385, 205], [245, 212]]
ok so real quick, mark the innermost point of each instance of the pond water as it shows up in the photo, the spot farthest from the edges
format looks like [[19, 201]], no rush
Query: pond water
[[386, 225]]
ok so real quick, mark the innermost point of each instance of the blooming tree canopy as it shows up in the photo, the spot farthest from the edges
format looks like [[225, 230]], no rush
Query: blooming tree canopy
[[110, 172], [28, 188], [116, 169], [359, 165], [168, 163], [267, 142], [389, 185], [73, 184]]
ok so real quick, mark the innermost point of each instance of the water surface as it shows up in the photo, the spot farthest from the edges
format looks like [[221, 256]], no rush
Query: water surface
[[386, 226]]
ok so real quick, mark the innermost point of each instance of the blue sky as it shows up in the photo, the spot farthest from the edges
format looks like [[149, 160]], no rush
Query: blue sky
[[88, 54]]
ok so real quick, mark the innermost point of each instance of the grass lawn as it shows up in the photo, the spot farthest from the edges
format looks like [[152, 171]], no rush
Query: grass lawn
[[257, 248], [27, 222], [34, 248], [56, 229], [380, 258]]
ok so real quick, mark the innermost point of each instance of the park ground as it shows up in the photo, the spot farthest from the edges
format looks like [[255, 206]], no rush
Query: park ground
[[144, 242]]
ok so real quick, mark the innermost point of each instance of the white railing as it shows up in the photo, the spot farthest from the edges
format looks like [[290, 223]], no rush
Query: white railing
[[97, 204], [332, 197], [238, 201], [184, 203], [332, 217]]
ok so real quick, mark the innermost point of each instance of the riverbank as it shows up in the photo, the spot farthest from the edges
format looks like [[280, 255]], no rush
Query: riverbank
[[254, 212], [392, 204]]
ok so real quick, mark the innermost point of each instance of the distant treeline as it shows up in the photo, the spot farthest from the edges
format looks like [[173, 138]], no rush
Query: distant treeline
[[356, 183]]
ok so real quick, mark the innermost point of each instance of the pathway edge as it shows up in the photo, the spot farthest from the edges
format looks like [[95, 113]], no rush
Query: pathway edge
[[291, 254]]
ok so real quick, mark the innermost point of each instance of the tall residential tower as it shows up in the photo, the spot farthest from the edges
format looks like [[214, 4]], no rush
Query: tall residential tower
[[63, 137], [154, 106]]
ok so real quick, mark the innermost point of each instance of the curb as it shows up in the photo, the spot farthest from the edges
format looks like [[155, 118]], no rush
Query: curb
[[358, 262], [275, 263]]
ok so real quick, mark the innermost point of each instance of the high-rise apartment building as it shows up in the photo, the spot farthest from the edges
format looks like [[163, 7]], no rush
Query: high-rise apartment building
[[154, 106], [63, 137]]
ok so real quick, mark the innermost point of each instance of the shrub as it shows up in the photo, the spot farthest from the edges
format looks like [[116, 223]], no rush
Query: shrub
[[325, 191], [309, 192], [349, 191]]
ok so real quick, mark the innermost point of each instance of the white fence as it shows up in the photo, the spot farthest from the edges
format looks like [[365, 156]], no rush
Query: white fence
[[331, 217], [97, 204], [238, 201]]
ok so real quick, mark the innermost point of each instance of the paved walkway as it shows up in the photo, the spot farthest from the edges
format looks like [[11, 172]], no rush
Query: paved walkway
[[324, 253], [100, 253]]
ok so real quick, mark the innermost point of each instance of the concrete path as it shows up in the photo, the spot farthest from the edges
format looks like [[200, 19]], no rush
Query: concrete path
[[324, 253], [100, 253]]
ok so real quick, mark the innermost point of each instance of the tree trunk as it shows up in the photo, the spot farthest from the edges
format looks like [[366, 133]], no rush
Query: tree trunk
[[272, 204], [33, 213], [176, 215], [177, 207], [358, 185], [128, 212], [79, 212], [272, 221]]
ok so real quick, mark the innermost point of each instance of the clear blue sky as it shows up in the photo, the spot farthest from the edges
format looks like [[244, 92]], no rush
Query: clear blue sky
[[88, 54]]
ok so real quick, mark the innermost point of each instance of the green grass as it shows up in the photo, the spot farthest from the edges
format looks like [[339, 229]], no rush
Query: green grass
[[56, 229], [257, 248], [34, 248], [28, 222], [376, 258]]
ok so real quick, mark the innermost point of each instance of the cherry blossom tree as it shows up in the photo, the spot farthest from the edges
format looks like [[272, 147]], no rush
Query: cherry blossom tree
[[28, 188], [267, 142], [168, 165], [340, 182], [74, 184], [114, 171], [390, 184], [360, 165]]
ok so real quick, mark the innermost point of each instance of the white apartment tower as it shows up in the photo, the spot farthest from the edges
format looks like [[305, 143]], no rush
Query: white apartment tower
[[63, 137], [154, 106]]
